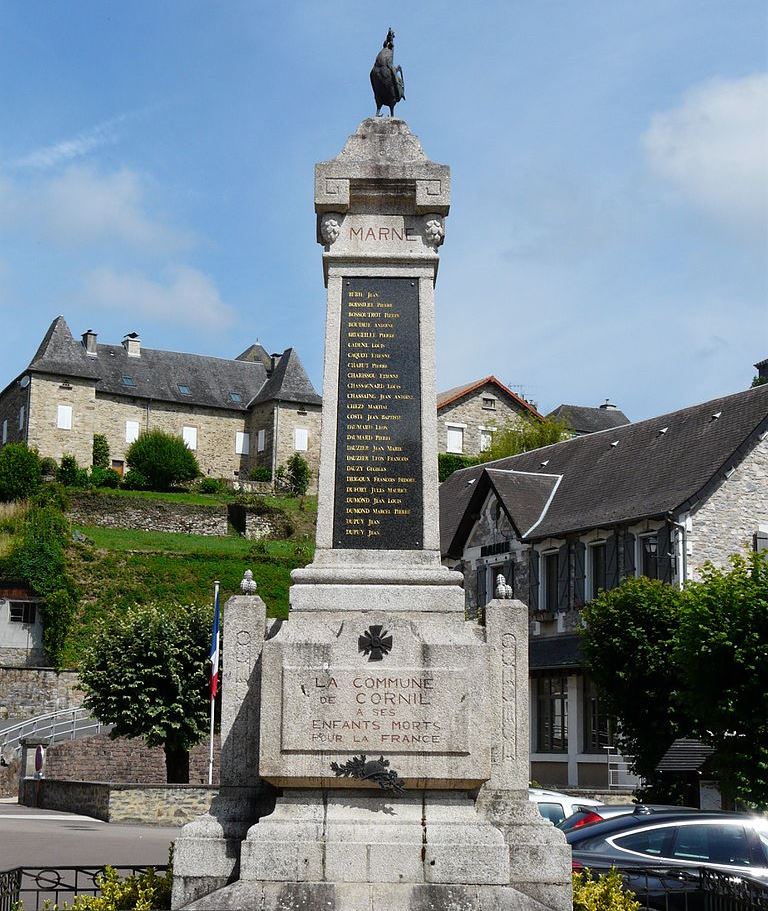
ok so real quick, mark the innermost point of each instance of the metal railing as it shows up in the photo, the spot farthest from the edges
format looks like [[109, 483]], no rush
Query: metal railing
[[619, 775], [53, 727], [37, 885]]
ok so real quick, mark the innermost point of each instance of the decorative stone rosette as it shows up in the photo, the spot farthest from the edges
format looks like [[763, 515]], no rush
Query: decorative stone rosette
[[330, 227], [434, 230]]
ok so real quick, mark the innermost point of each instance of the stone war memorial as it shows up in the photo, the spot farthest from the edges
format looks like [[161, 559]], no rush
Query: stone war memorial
[[375, 744]]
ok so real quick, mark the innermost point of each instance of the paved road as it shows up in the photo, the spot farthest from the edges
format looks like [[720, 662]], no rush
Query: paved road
[[35, 838]]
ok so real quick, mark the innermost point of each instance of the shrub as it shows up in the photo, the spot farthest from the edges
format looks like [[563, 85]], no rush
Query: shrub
[[48, 466], [54, 495], [606, 893], [135, 480], [58, 612], [448, 462], [298, 474], [132, 893], [70, 474], [261, 473], [163, 459], [100, 451], [104, 477], [20, 472], [211, 485]]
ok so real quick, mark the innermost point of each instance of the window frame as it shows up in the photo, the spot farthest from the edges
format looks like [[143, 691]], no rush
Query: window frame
[[485, 400], [5, 431], [28, 612], [261, 440], [242, 443], [129, 437], [555, 684], [61, 410], [192, 434], [640, 554], [592, 588], [544, 583], [450, 428], [297, 431]]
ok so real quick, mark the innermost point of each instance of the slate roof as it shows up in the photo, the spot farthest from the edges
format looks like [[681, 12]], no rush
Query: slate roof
[[452, 395], [554, 652], [685, 755], [158, 375], [628, 473], [581, 419]]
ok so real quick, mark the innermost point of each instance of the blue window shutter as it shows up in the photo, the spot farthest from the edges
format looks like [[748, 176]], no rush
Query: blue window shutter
[[664, 559], [533, 580], [629, 555], [563, 578], [579, 553], [611, 562]]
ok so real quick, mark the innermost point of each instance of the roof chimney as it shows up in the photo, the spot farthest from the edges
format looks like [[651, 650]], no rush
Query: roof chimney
[[274, 357], [608, 405], [132, 344], [762, 369], [89, 342]]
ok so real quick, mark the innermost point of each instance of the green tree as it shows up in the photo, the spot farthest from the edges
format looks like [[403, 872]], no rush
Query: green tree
[[297, 474], [163, 459], [100, 451], [628, 644], [722, 657], [522, 435], [20, 472], [146, 672], [759, 381]]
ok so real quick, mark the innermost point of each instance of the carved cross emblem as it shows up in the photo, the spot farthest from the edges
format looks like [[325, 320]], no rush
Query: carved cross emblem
[[375, 643]]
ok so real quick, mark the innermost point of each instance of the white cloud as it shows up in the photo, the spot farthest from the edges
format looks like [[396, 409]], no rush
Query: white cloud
[[187, 295], [82, 206], [68, 149], [714, 148]]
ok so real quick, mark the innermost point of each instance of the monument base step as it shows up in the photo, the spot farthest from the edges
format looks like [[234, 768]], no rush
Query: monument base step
[[323, 896]]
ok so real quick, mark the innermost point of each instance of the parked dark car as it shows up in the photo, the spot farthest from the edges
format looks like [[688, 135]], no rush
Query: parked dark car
[[662, 855], [587, 816]]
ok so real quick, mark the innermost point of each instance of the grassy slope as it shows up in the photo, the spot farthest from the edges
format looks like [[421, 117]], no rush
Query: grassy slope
[[122, 568]]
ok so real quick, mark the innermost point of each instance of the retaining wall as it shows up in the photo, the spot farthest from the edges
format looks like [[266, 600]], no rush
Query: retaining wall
[[147, 515], [28, 691]]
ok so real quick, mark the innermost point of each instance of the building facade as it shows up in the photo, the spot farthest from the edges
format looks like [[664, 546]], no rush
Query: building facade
[[254, 410], [469, 415], [657, 498]]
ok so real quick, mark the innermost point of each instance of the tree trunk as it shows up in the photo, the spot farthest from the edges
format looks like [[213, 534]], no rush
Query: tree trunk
[[176, 764]]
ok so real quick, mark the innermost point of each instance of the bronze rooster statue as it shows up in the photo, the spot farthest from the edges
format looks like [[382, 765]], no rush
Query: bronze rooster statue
[[386, 78]]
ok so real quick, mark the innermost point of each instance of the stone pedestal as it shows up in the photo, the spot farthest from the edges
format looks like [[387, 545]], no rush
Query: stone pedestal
[[394, 731]]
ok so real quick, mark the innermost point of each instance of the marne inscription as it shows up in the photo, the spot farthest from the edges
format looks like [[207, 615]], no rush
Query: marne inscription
[[379, 499], [405, 710]]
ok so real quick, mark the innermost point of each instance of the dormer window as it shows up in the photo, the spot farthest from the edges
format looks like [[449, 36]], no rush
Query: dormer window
[[183, 389], [235, 397], [127, 381]]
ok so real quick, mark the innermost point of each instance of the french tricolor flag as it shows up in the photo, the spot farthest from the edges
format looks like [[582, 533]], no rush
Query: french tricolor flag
[[214, 656]]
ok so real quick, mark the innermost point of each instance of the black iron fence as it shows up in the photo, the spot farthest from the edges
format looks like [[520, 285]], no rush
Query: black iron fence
[[37, 885]]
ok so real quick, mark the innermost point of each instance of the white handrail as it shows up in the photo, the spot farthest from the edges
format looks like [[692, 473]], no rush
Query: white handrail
[[64, 724]]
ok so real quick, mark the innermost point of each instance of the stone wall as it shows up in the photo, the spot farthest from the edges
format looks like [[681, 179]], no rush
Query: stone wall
[[11, 400], [89, 508], [166, 805], [725, 523], [289, 417], [25, 692], [216, 430], [46, 393], [125, 760], [249, 523], [469, 411], [262, 417]]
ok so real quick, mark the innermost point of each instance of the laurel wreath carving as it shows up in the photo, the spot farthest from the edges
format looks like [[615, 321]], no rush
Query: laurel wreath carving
[[376, 770]]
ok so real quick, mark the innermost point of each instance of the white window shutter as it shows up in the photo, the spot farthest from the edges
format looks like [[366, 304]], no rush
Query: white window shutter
[[189, 435], [300, 439], [242, 443], [5, 430], [63, 417], [131, 431], [261, 440], [454, 439]]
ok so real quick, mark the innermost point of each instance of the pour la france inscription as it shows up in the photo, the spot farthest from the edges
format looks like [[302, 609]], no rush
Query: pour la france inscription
[[378, 499], [405, 710]]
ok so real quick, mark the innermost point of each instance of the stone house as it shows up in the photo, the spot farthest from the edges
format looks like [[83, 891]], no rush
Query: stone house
[[256, 409], [580, 419], [21, 626], [468, 415], [658, 498]]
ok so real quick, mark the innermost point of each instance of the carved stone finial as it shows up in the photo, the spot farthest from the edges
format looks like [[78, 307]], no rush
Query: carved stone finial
[[434, 229], [248, 586], [503, 591], [330, 227]]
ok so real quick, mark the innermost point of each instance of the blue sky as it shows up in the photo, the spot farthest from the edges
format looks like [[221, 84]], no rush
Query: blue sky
[[609, 229]]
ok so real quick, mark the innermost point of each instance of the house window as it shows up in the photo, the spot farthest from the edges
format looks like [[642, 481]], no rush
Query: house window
[[549, 580], [300, 439], [502, 569], [189, 435], [127, 381], [118, 465], [597, 577], [235, 397], [489, 403], [184, 389], [599, 726], [486, 439], [22, 415], [131, 431], [552, 713], [5, 430], [261, 440], [242, 443], [482, 586], [63, 417], [22, 612], [649, 560], [454, 438]]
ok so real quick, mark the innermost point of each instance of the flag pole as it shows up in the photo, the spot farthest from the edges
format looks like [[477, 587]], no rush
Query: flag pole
[[214, 673]]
